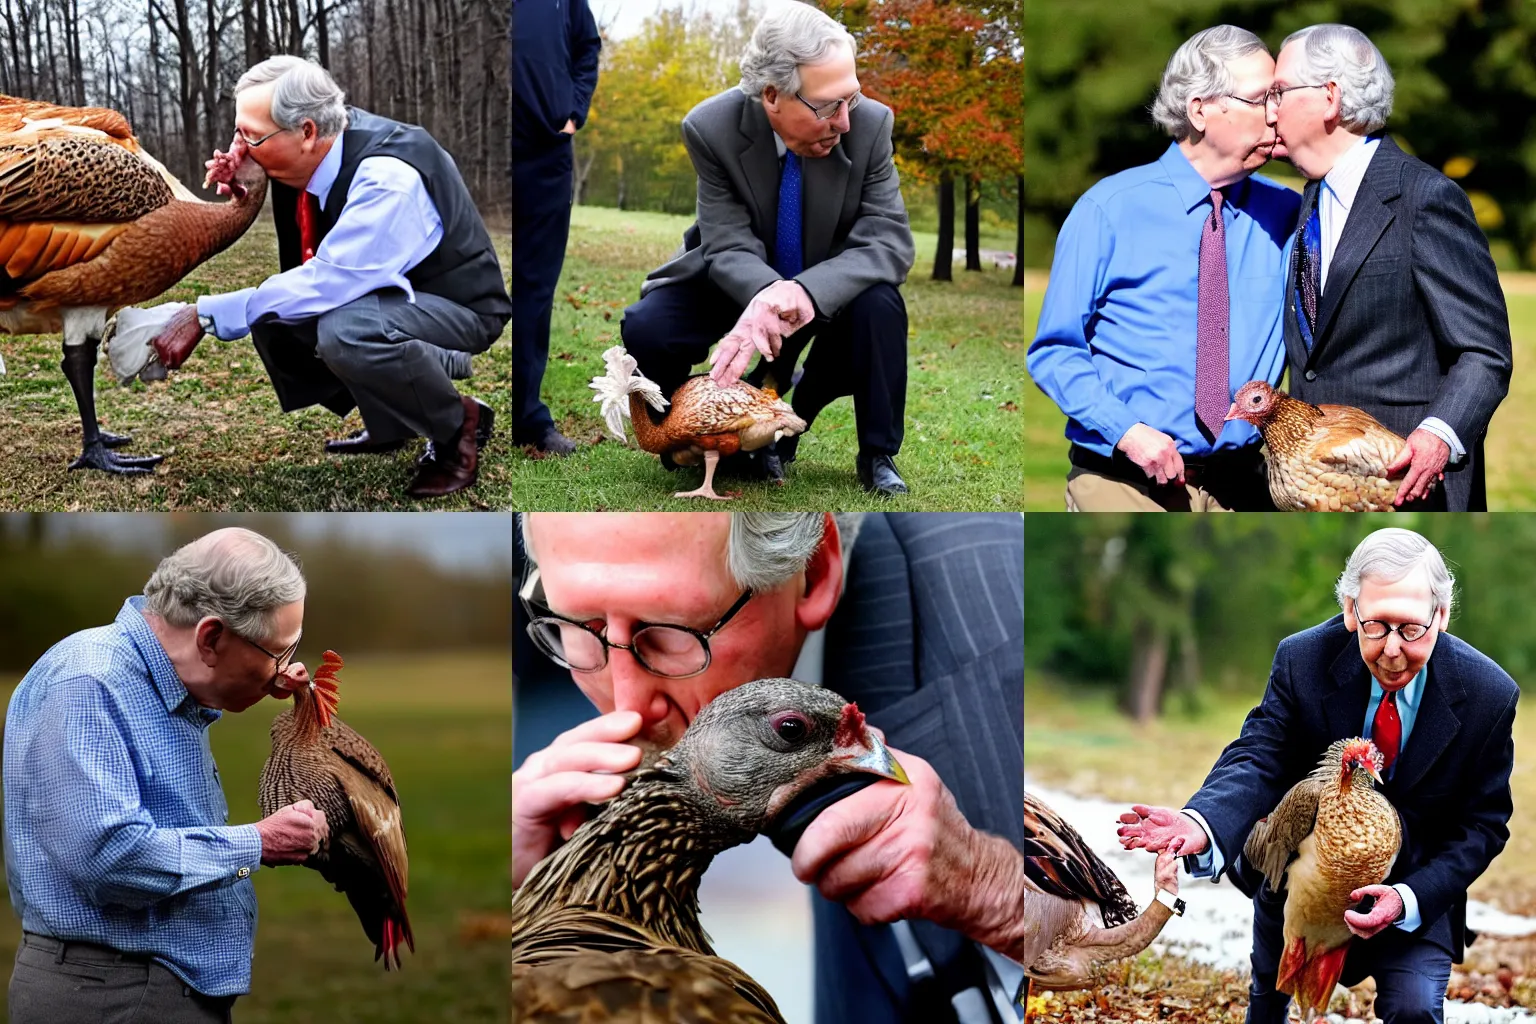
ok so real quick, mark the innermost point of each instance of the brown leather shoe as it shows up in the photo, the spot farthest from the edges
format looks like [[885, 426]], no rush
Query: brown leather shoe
[[456, 466], [360, 443]]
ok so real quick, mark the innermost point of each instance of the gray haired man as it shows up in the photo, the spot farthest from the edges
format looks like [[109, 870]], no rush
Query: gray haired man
[[1393, 303], [134, 892], [389, 279], [801, 232]]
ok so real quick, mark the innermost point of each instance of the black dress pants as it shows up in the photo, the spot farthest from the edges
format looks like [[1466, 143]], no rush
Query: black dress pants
[[541, 223]]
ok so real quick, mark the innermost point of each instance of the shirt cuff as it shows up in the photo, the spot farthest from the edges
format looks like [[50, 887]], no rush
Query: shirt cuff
[[1410, 921], [228, 313], [1208, 863], [1441, 429], [247, 843]]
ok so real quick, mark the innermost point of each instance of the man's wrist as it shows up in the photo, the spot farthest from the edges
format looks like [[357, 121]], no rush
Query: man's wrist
[[997, 889]]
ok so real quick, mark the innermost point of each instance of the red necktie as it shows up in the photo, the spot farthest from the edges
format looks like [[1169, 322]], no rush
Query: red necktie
[[309, 224], [1387, 729]]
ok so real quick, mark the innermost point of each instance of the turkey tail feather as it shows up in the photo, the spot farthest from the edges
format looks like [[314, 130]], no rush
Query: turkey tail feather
[[326, 689]]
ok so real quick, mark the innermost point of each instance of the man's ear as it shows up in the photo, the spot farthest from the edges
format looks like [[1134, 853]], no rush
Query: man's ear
[[208, 633], [823, 580], [1196, 114], [1350, 622], [771, 98]]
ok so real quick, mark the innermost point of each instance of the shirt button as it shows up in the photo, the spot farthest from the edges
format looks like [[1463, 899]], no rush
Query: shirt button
[[1311, 375], [243, 873]]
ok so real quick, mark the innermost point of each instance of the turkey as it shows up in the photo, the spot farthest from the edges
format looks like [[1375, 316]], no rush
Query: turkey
[[706, 421], [317, 757], [1079, 917], [90, 223], [1321, 458], [607, 927], [1331, 834]]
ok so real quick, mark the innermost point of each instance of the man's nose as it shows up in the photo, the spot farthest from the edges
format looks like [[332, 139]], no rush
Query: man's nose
[[634, 688]]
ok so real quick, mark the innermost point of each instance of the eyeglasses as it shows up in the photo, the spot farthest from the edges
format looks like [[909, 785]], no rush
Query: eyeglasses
[[247, 139], [828, 111], [281, 660], [661, 648], [1375, 629], [1260, 102], [1278, 94]]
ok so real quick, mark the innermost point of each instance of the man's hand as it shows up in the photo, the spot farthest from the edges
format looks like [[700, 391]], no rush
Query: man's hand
[[1388, 908], [1424, 456], [774, 314], [292, 834], [1165, 873], [1155, 452], [1161, 828], [570, 127], [889, 852], [178, 338], [552, 789]]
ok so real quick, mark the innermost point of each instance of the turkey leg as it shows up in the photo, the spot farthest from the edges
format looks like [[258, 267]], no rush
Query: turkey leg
[[79, 367], [707, 490]]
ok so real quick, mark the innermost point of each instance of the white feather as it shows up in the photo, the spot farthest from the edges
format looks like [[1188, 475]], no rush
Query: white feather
[[614, 388], [130, 335]]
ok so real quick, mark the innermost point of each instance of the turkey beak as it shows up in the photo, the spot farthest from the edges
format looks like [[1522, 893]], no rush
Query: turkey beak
[[874, 758], [1374, 774], [1233, 414]]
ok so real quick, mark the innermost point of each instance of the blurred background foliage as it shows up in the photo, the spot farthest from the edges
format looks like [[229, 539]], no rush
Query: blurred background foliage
[[1465, 101], [1170, 612]]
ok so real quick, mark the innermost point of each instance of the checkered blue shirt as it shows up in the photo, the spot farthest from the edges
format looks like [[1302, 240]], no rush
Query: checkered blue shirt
[[115, 820]]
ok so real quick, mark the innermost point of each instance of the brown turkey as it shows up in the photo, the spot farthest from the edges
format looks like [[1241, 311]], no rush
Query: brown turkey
[[317, 757], [90, 223], [607, 927], [1321, 458]]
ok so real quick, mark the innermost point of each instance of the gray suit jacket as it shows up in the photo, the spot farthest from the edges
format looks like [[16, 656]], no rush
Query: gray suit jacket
[[1412, 320], [855, 222]]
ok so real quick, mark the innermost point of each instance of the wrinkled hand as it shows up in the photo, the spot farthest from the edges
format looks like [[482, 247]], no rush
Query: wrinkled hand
[[1160, 828], [1388, 908], [552, 789], [292, 834], [1155, 452], [1424, 456], [774, 314], [891, 851], [178, 338]]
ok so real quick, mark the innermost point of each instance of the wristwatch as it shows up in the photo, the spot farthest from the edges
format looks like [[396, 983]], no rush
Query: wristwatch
[[1171, 901]]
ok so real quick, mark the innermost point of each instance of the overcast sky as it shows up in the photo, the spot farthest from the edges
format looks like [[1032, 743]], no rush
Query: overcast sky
[[623, 17]]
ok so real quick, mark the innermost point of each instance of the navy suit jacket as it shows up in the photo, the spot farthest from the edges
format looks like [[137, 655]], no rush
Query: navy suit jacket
[[929, 641], [1450, 784]]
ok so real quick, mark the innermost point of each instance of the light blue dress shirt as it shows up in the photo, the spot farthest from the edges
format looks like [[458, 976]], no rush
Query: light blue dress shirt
[[115, 820], [1208, 863], [388, 225], [1117, 334]]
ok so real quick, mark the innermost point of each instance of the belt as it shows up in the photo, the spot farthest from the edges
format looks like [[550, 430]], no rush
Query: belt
[[1199, 470]]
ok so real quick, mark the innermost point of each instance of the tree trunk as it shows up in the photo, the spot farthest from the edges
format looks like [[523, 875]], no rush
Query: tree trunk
[[1149, 671], [944, 258], [972, 224], [322, 35], [1018, 248]]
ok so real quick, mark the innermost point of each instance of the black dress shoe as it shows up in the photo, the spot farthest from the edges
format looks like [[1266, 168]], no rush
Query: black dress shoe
[[877, 474], [551, 442], [361, 443]]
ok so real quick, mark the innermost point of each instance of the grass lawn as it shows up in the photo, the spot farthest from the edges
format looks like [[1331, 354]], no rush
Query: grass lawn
[[965, 371], [228, 446], [441, 723], [1511, 460]]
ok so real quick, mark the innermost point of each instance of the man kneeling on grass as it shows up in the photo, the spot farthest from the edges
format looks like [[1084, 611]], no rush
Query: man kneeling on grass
[[134, 893]]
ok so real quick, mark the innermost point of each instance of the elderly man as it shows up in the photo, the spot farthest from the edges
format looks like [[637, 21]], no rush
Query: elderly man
[[1440, 711], [134, 893], [920, 622], [801, 232], [389, 280], [1165, 297], [1393, 302]]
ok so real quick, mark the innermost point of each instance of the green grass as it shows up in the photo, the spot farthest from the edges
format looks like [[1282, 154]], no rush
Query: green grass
[[228, 446], [1511, 457], [441, 722], [965, 368]]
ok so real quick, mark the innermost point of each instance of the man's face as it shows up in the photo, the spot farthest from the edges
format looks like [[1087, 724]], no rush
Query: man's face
[[1392, 662], [795, 123], [614, 570], [1300, 115], [1236, 132], [288, 156], [243, 674]]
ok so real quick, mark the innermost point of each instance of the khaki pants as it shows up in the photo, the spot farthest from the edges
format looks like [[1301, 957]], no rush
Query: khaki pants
[[1091, 492]]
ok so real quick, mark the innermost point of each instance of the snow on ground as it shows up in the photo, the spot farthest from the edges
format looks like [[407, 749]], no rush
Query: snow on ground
[[1217, 925]]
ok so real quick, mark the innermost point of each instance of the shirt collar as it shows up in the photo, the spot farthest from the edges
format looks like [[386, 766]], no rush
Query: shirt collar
[[778, 146], [325, 175], [1410, 695], [1192, 188], [162, 674], [1349, 170]]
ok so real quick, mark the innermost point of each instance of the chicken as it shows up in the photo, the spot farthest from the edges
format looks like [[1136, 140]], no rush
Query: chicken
[[706, 420], [1079, 916], [317, 757], [607, 927], [1321, 458], [1331, 834], [90, 223]]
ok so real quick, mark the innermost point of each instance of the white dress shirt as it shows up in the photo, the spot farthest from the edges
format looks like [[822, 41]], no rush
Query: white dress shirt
[[388, 225]]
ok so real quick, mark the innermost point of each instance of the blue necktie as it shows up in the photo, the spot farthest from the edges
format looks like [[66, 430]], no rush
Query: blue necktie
[[787, 258], [1309, 280]]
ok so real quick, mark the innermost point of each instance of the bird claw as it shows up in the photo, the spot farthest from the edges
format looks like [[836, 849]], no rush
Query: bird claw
[[708, 492], [112, 440], [96, 456]]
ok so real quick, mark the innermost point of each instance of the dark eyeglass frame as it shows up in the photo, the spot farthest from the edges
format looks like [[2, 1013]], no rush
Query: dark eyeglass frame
[[538, 613], [277, 659], [852, 101], [1389, 629], [252, 145]]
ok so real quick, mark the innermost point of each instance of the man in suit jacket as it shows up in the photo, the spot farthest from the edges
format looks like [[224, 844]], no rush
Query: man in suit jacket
[[1392, 300], [919, 619], [801, 232], [1454, 712]]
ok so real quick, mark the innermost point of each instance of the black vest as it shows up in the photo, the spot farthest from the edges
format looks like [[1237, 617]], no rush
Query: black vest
[[463, 267]]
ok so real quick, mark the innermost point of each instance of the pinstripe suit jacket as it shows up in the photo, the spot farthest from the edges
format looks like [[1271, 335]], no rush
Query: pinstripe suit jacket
[[1412, 321], [929, 640]]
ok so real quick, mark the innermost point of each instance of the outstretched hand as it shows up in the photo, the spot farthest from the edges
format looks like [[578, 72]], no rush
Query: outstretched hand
[[1156, 829], [774, 313]]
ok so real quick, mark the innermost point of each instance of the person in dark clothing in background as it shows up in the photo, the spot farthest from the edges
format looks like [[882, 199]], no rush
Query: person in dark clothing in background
[[554, 72]]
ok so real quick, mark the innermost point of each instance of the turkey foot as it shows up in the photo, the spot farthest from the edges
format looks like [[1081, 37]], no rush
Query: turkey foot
[[112, 440], [78, 365], [707, 489], [96, 456]]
